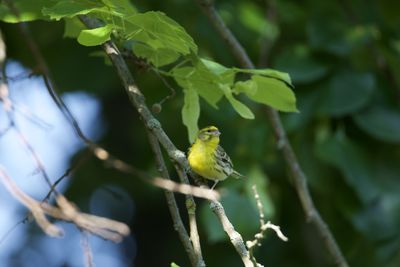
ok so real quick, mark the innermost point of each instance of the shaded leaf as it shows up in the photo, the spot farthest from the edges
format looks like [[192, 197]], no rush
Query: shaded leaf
[[28, 10], [353, 161], [381, 123], [301, 66], [346, 93]]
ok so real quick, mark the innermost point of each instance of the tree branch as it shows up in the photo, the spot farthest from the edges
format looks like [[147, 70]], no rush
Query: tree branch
[[194, 255], [297, 173]]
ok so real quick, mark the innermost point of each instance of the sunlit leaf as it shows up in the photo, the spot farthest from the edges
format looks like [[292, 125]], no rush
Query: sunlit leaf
[[191, 112], [73, 27], [200, 79], [71, 8], [158, 57], [97, 36], [271, 73], [270, 92], [157, 30], [240, 108]]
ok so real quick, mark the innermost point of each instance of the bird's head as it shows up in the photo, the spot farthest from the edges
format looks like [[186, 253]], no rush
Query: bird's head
[[209, 134]]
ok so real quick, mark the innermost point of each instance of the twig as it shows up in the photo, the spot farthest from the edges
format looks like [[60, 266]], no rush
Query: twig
[[163, 183], [103, 227], [195, 256], [299, 177], [263, 227], [87, 252]]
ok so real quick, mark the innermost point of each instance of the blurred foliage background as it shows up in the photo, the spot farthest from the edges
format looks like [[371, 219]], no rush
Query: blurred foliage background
[[344, 59]]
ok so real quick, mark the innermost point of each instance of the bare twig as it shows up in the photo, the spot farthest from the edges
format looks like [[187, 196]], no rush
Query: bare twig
[[183, 188], [263, 227], [103, 227], [34, 206], [87, 252], [297, 173]]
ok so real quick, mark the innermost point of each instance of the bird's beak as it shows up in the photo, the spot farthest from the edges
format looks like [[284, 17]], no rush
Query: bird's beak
[[216, 133]]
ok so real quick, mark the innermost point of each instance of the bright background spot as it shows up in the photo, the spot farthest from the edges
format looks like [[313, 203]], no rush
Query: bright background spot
[[54, 141]]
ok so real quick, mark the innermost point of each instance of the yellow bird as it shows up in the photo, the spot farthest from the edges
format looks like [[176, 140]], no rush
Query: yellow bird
[[208, 159]]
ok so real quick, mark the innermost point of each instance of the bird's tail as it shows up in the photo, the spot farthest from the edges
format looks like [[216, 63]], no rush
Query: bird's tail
[[237, 175]]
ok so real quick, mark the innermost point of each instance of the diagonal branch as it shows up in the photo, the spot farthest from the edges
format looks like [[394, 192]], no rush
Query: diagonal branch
[[194, 254], [297, 173]]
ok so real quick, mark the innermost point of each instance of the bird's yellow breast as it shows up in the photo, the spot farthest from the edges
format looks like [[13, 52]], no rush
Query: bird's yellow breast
[[202, 161]]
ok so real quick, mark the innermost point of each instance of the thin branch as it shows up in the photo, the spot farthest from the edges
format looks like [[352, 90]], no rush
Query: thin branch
[[103, 227], [235, 238], [263, 227], [160, 182], [297, 173], [87, 251], [195, 256]]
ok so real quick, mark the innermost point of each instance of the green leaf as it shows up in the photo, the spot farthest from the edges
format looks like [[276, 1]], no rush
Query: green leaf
[[157, 30], [71, 8], [173, 264], [225, 75], [191, 112], [124, 7], [270, 92], [73, 27], [381, 123], [346, 93], [200, 79], [240, 108], [158, 57], [270, 73], [28, 10], [97, 36]]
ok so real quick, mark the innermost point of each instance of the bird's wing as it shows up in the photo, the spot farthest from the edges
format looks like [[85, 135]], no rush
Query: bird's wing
[[224, 161]]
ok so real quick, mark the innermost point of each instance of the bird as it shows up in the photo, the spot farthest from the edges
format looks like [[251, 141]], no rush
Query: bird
[[208, 159]]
